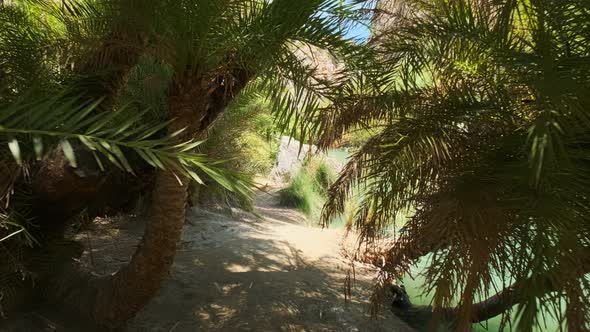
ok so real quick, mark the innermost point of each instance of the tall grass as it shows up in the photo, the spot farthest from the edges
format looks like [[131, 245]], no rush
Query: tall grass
[[307, 188]]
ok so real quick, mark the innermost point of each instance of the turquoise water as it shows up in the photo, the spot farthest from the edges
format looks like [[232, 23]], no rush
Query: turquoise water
[[414, 289], [340, 155]]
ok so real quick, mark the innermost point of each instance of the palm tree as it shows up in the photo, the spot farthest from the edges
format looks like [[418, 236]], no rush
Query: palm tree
[[214, 49], [482, 113]]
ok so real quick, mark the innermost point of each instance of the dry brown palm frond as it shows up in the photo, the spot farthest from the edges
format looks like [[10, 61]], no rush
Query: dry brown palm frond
[[489, 153]]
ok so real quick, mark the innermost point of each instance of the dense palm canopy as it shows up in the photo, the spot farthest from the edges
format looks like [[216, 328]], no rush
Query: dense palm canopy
[[69, 73], [50, 47], [482, 109]]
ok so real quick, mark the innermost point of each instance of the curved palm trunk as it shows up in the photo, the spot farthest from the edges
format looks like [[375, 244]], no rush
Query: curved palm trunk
[[111, 301], [131, 288], [195, 109], [134, 285]]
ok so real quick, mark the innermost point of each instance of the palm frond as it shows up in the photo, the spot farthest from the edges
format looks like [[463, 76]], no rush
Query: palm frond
[[23, 46], [485, 122], [30, 128]]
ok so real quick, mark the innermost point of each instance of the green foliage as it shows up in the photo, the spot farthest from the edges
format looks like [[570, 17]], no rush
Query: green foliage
[[486, 106], [324, 176], [246, 138], [34, 126], [307, 188], [204, 53], [24, 43], [357, 137], [302, 193], [146, 89]]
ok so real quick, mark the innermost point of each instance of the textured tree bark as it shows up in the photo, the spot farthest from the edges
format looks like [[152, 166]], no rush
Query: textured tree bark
[[387, 13], [106, 70], [131, 288], [112, 300], [61, 192]]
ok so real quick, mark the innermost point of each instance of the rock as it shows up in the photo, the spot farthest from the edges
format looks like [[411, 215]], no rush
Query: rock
[[290, 157], [324, 63], [387, 15]]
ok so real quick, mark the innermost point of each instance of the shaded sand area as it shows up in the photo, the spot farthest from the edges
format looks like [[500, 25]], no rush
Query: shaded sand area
[[244, 273]]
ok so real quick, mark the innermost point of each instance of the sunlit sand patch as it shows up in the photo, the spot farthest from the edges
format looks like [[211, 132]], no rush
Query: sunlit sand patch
[[216, 312], [237, 268]]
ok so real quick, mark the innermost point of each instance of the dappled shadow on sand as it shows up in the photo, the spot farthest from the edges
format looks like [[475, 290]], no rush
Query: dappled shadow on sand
[[242, 274], [267, 276]]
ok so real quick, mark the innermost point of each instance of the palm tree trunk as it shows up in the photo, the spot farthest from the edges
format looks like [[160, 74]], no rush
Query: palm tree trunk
[[111, 301], [131, 288], [193, 106]]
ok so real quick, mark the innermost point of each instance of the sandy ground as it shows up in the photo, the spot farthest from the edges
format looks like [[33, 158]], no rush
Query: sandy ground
[[245, 273]]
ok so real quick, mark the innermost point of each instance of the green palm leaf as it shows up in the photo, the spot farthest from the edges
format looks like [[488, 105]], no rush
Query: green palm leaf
[[29, 127]]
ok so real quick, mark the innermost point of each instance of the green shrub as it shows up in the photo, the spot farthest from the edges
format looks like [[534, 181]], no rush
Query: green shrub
[[324, 176], [307, 189], [246, 138]]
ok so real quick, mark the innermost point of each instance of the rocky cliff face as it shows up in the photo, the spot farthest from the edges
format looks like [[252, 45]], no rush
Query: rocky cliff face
[[387, 12], [326, 64], [290, 157]]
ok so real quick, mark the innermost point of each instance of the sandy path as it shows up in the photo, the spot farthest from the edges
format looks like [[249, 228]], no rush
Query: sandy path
[[275, 274], [240, 274]]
